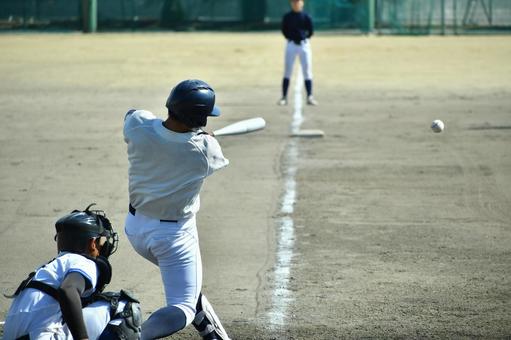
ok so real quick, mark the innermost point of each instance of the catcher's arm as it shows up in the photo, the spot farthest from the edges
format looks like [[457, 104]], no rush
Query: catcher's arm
[[70, 292]]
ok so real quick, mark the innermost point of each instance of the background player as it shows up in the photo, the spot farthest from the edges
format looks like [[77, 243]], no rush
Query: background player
[[168, 162], [297, 27], [48, 304]]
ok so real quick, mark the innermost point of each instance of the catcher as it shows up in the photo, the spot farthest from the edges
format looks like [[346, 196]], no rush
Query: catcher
[[63, 299]]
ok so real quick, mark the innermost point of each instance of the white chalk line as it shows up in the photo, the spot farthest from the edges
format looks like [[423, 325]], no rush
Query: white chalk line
[[297, 121], [282, 296]]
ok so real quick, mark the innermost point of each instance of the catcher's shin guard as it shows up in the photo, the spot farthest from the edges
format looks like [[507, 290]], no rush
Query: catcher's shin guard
[[207, 323]]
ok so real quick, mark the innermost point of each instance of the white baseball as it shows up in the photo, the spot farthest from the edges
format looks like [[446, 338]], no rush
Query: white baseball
[[437, 125]]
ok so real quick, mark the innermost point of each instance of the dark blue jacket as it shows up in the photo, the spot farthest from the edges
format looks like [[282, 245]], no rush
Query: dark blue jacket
[[297, 26]]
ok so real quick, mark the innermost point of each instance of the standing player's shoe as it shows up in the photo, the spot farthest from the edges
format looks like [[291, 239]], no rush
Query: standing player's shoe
[[282, 101], [207, 323], [311, 101]]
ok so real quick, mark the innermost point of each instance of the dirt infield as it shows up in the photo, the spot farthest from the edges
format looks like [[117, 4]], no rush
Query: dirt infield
[[399, 232]]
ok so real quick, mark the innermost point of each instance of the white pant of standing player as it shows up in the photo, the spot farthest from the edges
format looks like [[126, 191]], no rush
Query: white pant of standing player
[[174, 248], [303, 51]]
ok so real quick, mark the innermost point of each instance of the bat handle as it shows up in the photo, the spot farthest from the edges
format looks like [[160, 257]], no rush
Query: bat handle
[[202, 132]]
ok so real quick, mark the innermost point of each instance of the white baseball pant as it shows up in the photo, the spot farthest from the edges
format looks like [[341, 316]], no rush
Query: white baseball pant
[[174, 248], [303, 51]]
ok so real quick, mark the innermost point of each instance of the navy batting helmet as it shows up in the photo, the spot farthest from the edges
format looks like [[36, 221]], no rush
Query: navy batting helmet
[[91, 224], [191, 102]]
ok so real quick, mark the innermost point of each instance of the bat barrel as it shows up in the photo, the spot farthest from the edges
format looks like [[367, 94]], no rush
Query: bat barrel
[[241, 127]]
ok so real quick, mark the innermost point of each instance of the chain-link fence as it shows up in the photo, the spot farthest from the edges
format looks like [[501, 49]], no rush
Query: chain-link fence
[[442, 16], [388, 16]]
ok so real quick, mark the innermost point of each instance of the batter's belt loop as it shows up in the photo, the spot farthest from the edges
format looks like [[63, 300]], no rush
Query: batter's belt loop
[[133, 211]]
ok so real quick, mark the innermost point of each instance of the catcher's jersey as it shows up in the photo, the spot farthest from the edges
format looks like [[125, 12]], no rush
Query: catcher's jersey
[[38, 314], [166, 168]]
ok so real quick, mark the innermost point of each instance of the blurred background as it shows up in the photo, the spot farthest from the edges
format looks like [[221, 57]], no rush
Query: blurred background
[[353, 16]]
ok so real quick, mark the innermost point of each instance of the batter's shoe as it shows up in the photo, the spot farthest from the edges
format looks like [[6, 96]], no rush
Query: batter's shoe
[[207, 323], [282, 101], [311, 101]]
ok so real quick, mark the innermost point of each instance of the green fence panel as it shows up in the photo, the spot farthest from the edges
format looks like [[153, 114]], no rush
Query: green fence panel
[[381, 16]]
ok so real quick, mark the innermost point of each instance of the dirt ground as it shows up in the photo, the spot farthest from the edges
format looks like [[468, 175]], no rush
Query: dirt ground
[[399, 232]]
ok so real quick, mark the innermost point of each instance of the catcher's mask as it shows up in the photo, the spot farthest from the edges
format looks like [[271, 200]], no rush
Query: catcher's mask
[[92, 224]]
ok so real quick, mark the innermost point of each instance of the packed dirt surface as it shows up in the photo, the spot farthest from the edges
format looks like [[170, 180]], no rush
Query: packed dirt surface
[[398, 232]]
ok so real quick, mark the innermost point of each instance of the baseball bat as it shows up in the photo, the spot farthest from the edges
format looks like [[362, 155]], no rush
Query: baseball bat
[[243, 126]]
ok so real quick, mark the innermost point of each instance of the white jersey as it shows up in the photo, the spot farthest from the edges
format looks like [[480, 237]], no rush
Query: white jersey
[[166, 168], [38, 314]]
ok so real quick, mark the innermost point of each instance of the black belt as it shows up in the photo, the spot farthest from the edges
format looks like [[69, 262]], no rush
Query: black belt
[[133, 211]]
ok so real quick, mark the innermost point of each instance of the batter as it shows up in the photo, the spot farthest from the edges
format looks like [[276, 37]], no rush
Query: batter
[[168, 163], [297, 28]]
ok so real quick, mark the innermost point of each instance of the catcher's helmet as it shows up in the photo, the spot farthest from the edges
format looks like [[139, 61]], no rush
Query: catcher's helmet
[[91, 224], [191, 102]]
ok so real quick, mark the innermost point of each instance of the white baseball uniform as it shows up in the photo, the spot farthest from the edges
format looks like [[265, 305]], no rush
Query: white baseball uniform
[[166, 173], [38, 315]]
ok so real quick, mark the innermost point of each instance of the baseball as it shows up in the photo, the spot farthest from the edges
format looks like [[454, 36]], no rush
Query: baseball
[[437, 125]]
